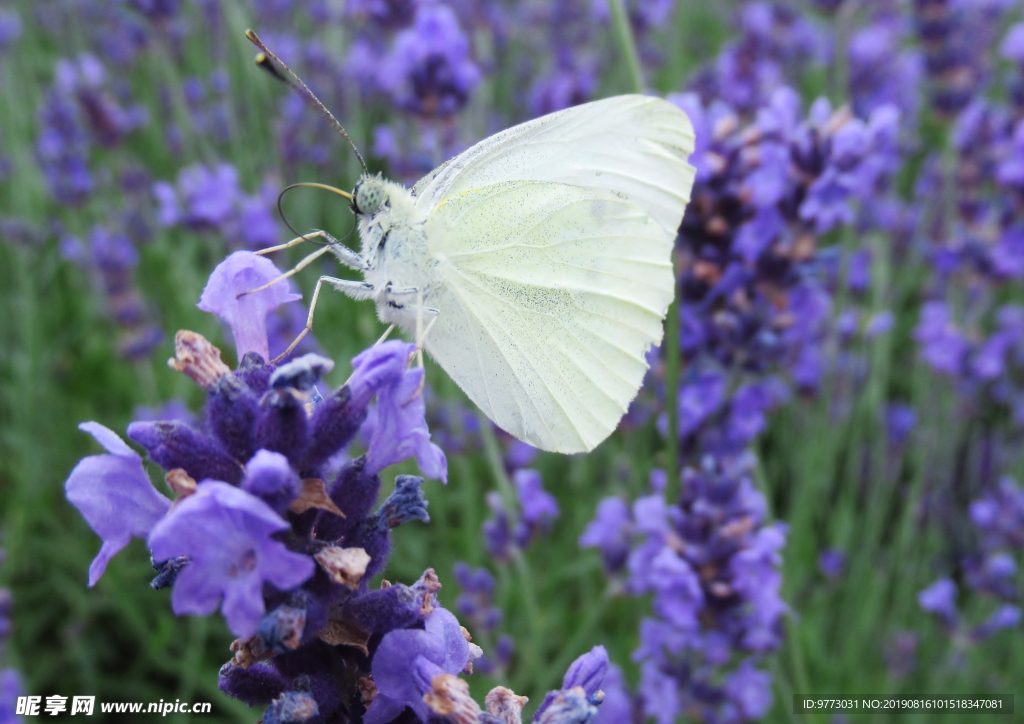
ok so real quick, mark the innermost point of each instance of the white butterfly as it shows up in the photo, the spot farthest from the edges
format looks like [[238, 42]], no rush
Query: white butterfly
[[538, 262]]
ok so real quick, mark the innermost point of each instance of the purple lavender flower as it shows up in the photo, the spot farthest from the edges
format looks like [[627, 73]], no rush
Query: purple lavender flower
[[386, 14], [772, 39], [954, 36], [114, 495], [698, 400], [587, 672], [210, 199], [749, 693], [400, 427], [111, 258], [242, 272], [406, 662], [712, 564], [497, 530], [225, 532], [294, 589]]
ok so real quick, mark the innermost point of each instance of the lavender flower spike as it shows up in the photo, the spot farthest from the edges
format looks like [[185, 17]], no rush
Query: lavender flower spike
[[244, 271], [226, 533], [114, 495]]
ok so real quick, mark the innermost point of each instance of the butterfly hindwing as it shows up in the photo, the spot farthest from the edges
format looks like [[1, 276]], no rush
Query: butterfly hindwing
[[551, 295]]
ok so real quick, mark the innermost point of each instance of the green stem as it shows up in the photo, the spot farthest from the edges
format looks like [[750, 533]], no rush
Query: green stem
[[492, 450], [627, 45], [532, 648], [579, 638], [672, 363]]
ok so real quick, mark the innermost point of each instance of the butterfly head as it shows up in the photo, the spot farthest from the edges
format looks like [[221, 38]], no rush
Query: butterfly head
[[369, 195]]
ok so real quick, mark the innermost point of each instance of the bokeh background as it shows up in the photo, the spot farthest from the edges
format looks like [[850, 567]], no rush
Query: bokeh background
[[846, 377]]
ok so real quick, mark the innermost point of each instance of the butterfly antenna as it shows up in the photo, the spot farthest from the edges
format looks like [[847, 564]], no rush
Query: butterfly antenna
[[280, 208], [263, 60]]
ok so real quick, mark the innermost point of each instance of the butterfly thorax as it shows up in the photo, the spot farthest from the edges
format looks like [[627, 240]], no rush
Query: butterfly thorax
[[394, 243]]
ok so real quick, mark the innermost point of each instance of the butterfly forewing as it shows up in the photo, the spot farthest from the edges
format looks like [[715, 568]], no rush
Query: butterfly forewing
[[633, 145]]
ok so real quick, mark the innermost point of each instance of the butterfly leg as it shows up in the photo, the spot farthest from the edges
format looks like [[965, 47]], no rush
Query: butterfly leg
[[356, 290], [421, 333], [289, 244], [387, 333], [345, 255], [298, 267]]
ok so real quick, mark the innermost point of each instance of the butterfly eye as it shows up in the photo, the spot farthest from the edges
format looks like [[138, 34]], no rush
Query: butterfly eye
[[369, 195]]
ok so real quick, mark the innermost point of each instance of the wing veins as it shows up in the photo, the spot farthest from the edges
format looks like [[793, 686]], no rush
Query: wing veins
[[586, 290], [515, 372], [552, 316], [518, 312]]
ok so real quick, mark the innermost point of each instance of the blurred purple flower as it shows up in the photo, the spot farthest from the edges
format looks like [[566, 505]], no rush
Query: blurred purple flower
[[1006, 616], [943, 347], [476, 602], [832, 563], [428, 70], [610, 531], [1012, 47], [571, 80], [538, 508], [900, 420], [940, 598], [10, 28], [998, 515], [204, 199]]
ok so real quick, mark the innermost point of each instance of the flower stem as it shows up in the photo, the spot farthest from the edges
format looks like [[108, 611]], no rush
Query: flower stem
[[492, 450], [580, 637], [672, 363], [627, 44]]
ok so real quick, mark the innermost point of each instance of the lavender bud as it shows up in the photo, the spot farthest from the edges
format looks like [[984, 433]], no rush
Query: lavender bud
[[176, 445]]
